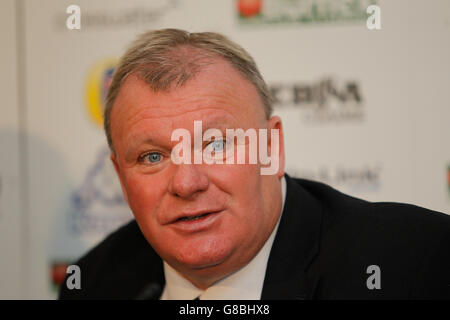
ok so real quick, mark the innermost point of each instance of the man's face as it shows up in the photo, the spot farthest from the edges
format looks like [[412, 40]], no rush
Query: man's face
[[241, 205]]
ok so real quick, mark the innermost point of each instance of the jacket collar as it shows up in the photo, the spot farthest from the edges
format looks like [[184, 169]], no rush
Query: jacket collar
[[294, 247]]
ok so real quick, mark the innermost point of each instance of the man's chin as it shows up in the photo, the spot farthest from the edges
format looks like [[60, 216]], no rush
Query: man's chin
[[201, 263]]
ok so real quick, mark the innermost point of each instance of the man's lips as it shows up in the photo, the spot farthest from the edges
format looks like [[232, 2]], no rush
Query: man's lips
[[194, 216], [188, 223]]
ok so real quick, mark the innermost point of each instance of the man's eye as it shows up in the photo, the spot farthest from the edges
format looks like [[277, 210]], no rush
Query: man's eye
[[217, 145], [152, 157]]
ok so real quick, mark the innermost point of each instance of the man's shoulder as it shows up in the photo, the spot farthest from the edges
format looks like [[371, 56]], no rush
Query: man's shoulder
[[118, 267], [409, 244]]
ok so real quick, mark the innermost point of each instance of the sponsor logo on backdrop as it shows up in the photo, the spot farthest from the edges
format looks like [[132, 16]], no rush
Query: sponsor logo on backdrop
[[325, 100], [108, 18], [98, 81], [97, 205], [364, 178], [263, 12], [58, 272]]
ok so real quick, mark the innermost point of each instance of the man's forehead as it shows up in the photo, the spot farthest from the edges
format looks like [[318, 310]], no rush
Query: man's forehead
[[219, 82], [160, 135], [162, 128], [218, 95]]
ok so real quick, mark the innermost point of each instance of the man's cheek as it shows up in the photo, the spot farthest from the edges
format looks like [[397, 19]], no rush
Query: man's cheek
[[234, 176], [138, 186], [140, 198]]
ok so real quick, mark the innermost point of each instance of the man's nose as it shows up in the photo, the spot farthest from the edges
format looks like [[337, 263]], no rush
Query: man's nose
[[187, 180]]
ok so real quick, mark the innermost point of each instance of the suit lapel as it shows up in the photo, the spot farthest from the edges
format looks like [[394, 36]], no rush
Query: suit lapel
[[296, 244]]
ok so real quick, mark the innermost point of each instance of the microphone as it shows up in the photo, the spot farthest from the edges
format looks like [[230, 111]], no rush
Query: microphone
[[152, 291]]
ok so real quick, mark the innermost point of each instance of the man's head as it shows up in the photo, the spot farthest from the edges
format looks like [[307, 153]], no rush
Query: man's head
[[167, 80]]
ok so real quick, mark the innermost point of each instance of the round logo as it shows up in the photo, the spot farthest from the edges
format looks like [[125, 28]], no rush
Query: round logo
[[97, 85], [249, 8]]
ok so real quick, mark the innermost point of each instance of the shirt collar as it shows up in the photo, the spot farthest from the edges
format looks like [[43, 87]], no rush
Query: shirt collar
[[245, 284]]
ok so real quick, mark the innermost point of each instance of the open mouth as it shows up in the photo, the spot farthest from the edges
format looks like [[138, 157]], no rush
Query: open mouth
[[197, 221], [194, 217]]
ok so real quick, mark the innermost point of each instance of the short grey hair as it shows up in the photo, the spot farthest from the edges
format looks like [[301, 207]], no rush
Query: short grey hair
[[169, 57]]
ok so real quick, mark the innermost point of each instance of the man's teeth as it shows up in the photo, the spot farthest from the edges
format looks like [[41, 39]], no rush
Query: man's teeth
[[193, 218]]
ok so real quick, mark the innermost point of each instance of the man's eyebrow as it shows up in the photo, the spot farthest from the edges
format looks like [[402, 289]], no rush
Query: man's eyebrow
[[135, 143]]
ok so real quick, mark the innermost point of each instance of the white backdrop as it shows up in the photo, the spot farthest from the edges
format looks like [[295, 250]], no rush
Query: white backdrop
[[11, 237], [365, 111]]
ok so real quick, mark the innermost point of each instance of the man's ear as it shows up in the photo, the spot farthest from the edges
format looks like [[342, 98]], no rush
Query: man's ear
[[117, 168], [275, 123]]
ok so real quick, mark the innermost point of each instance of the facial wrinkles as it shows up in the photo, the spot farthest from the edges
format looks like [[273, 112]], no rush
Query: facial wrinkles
[[211, 118], [182, 100], [180, 107], [162, 129], [175, 120], [127, 128], [216, 91]]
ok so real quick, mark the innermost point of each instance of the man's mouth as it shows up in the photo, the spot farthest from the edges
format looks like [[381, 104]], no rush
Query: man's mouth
[[196, 221], [193, 217]]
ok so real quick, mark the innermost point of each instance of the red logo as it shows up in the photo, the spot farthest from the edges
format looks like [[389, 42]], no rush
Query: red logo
[[58, 272], [249, 8], [448, 177]]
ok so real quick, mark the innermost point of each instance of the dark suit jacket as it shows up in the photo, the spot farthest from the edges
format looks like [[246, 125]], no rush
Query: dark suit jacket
[[324, 244]]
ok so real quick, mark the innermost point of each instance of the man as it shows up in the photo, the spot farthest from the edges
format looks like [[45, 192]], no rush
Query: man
[[224, 230]]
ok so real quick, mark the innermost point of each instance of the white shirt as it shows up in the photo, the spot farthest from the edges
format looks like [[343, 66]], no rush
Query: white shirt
[[244, 284]]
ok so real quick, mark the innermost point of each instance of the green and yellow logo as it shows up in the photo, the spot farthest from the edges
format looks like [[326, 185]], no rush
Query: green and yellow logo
[[98, 81]]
